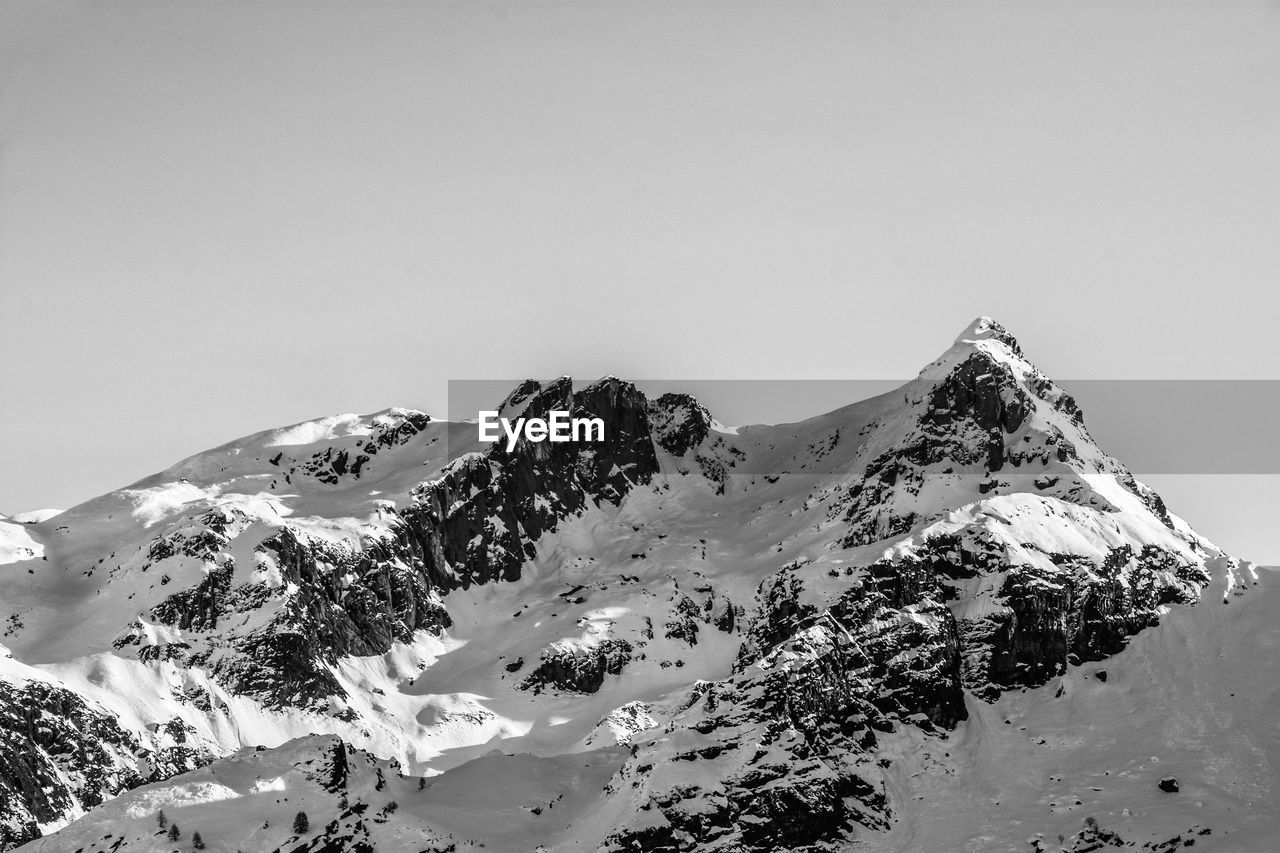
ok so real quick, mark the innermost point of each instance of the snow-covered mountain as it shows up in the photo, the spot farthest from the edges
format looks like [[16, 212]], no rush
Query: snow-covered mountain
[[924, 621]]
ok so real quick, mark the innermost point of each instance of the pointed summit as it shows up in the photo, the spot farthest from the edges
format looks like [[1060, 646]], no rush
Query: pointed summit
[[984, 338], [986, 329]]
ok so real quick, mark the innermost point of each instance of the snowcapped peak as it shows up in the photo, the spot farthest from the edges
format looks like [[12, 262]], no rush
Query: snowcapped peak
[[986, 338], [987, 329]]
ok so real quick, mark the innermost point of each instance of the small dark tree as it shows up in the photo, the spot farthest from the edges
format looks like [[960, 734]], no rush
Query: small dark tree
[[300, 823], [161, 819], [197, 843], [174, 833]]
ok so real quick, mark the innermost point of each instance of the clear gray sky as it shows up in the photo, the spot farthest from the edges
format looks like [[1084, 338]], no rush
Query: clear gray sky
[[218, 218]]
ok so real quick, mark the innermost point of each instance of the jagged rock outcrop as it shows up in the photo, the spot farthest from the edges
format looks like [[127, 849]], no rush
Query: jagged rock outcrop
[[684, 428], [787, 741], [579, 668], [680, 423], [1041, 617], [60, 756]]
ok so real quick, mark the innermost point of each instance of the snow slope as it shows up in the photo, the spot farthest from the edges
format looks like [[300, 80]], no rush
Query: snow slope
[[16, 544]]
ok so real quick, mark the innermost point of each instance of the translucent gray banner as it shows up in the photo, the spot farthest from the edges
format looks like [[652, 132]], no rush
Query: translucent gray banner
[[1217, 426]]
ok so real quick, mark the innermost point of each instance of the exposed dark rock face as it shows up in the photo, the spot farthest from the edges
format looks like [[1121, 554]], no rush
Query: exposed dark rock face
[[338, 766], [983, 391], [780, 614], [478, 523], [684, 622], [58, 752], [1093, 838], [578, 669], [345, 604], [792, 730], [682, 427], [1075, 610], [724, 614], [680, 423]]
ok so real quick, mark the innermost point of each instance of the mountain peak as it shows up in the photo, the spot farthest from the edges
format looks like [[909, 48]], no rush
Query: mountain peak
[[984, 337], [678, 591], [985, 328]]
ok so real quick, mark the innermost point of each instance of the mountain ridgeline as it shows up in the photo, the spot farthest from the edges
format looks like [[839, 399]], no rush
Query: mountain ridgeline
[[743, 620]]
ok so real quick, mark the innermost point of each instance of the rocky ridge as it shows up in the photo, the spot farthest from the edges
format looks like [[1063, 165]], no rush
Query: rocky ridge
[[824, 585]]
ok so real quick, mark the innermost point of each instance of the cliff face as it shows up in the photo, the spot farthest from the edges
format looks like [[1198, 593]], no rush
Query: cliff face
[[793, 594], [61, 756]]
